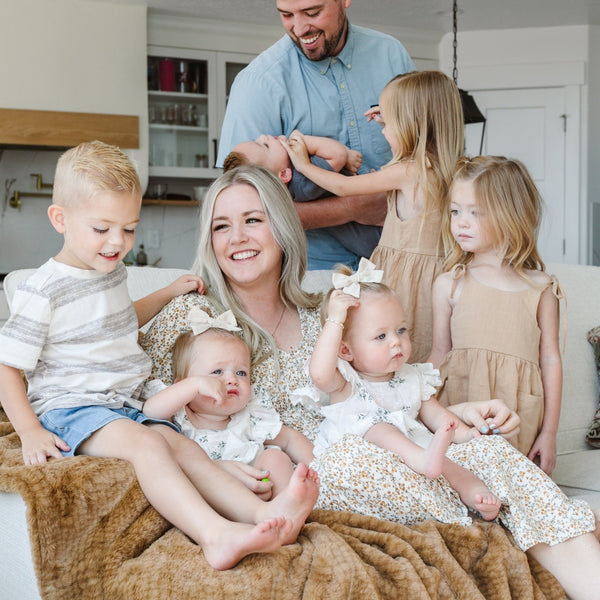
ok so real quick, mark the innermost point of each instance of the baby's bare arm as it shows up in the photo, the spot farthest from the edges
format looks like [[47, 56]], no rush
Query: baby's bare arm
[[166, 403], [335, 153]]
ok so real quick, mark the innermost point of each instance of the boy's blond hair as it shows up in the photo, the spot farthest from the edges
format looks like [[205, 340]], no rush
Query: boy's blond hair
[[183, 349], [90, 168]]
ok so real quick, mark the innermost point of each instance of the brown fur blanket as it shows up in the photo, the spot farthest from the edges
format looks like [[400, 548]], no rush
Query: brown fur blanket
[[93, 535]]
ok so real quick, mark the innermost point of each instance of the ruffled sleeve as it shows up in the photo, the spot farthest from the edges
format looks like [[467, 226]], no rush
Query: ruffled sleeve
[[265, 423], [429, 379], [309, 396], [313, 398]]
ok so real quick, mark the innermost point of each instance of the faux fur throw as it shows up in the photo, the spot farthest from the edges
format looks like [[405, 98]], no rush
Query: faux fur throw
[[93, 535]]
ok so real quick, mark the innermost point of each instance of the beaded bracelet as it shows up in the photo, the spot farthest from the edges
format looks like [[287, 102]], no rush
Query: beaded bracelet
[[338, 323]]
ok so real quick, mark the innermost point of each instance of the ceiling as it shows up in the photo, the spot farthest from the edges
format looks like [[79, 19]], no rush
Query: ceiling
[[434, 15]]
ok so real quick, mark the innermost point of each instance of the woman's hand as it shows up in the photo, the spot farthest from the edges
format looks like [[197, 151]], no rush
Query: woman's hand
[[254, 479], [489, 417]]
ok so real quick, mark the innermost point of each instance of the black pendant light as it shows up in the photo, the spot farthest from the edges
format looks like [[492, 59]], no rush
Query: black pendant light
[[471, 112]]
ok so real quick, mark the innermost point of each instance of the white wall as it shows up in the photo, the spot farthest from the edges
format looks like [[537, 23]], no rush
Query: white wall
[[63, 55]]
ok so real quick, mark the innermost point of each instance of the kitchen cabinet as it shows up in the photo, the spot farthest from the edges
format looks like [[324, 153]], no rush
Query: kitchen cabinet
[[187, 97]]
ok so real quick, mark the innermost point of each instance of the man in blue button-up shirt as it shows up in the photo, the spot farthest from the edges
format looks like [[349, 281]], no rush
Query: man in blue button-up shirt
[[320, 79]]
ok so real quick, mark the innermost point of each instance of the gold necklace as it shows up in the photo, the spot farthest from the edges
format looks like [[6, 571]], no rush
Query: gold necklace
[[278, 322]]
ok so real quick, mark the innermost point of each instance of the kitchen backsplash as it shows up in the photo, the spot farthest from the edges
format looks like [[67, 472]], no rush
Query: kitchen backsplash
[[27, 239]]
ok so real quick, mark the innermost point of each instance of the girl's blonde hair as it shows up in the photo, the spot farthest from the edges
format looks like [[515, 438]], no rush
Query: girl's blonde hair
[[183, 349], [365, 288], [507, 196], [423, 111], [289, 235], [91, 168]]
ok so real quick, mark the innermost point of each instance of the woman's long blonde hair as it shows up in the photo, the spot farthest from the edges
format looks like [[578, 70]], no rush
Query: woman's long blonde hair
[[508, 197], [424, 112], [289, 235]]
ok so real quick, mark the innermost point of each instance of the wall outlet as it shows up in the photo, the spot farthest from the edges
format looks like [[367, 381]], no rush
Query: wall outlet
[[152, 239]]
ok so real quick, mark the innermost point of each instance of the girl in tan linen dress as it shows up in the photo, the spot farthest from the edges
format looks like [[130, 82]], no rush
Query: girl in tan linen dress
[[496, 311], [422, 120], [411, 255]]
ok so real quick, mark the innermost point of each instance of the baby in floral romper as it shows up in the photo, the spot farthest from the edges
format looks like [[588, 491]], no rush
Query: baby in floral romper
[[220, 414], [363, 385]]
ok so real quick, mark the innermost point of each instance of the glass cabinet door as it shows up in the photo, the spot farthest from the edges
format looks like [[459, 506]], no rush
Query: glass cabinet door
[[229, 64], [180, 111]]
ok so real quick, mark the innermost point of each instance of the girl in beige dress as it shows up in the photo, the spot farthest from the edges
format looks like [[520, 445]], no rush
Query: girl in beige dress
[[496, 314], [422, 120]]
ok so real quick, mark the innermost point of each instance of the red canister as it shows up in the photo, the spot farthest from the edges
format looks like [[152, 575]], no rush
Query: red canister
[[167, 75]]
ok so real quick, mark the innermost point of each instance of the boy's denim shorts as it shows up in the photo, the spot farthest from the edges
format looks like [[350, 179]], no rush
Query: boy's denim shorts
[[76, 425]]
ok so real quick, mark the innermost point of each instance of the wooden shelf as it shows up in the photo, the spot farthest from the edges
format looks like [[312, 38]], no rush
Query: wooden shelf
[[66, 129], [160, 201]]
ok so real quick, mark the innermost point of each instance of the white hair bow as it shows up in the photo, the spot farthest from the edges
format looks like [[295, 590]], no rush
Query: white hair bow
[[350, 284], [200, 321]]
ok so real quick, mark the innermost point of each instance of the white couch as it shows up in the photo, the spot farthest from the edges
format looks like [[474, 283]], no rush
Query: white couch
[[577, 471]]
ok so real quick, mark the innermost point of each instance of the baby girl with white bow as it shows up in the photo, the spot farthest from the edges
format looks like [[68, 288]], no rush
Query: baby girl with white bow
[[211, 401], [362, 384]]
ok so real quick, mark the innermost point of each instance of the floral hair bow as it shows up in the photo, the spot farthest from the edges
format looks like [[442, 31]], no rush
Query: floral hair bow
[[350, 284], [199, 320]]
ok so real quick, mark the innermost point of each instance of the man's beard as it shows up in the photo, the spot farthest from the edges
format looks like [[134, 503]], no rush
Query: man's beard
[[329, 47]]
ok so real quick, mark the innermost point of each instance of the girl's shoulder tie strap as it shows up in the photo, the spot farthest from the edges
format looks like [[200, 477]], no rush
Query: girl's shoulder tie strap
[[457, 273], [560, 294]]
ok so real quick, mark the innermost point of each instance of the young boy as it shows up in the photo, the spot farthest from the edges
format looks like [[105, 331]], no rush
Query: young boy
[[74, 332], [268, 151]]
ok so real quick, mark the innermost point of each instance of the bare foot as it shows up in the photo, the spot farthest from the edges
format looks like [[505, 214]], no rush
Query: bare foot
[[472, 491], [236, 540], [435, 454], [487, 505], [297, 500], [353, 160]]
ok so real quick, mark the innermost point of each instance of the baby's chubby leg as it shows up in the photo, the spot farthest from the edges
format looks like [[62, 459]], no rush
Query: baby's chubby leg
[[279, 465], [234, 500], [472, 491], [170, 491], [426, 461]]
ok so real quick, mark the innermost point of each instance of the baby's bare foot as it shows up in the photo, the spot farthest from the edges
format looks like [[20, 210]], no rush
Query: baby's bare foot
[[353, 160], [297, 500], [236, 540], [487, 505], [435, 453]]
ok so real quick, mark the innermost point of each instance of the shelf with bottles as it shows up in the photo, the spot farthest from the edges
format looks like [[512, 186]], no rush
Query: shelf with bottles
[[179, 107]]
